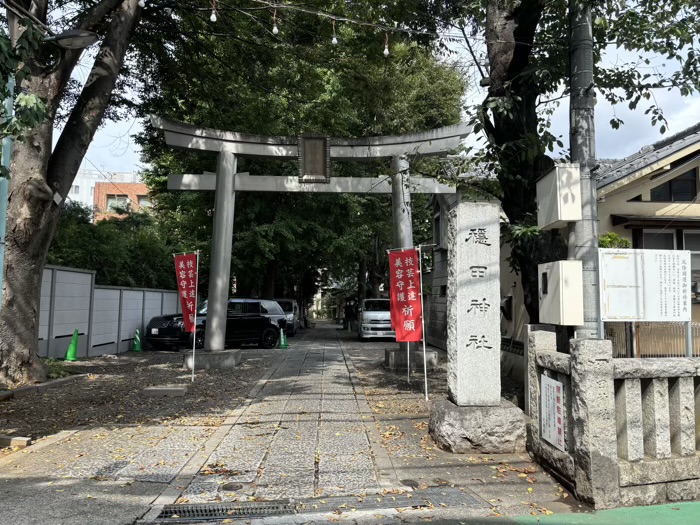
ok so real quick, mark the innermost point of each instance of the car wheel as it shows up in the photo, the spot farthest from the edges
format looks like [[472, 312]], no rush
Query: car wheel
[[198, 339], [268, 339]]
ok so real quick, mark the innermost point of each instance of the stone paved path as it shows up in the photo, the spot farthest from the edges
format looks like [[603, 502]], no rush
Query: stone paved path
[[302, 436]]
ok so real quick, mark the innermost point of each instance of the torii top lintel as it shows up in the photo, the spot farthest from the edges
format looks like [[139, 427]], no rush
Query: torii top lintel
[[434, 142]]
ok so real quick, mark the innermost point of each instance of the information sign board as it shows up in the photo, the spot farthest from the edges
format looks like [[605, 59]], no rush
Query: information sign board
[[552, 412], [644, 285]]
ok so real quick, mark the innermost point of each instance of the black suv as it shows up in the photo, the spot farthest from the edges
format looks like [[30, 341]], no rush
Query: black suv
[[256, 321]]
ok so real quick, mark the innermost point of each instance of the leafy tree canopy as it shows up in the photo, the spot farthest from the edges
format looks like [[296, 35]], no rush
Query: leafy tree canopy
[[294, 82]]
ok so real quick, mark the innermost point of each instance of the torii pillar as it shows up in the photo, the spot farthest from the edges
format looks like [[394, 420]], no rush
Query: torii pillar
[[229, 145]]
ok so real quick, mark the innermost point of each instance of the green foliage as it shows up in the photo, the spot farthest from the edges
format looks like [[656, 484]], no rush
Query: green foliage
[[613, 240], [28, 109], [55, 368], [290, 244], [127, 251]]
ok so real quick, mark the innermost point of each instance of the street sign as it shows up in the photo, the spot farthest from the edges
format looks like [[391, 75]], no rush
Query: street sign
[[644, 285]]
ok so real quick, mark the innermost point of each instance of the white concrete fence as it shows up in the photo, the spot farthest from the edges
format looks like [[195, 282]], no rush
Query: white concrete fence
[[632, 434], [106, 316]]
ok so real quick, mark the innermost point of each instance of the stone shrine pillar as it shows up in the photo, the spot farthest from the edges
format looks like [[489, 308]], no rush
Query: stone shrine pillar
[[475, 418], [473, 305]]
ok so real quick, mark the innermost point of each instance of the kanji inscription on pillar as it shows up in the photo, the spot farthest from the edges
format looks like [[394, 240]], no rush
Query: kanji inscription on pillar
[[473, 298]]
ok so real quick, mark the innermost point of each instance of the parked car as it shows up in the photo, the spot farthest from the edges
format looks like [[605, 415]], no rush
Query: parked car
[[166, 332], [291, 310], [374, 319], [248, 321]]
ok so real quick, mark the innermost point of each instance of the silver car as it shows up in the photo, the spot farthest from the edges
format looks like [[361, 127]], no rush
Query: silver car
[[291, 312], [374, 319]]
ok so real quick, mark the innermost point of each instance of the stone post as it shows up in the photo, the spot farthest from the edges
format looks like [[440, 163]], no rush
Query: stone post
[[473, 305], [401, 214], [474, 418], [593, 414], [222, 237]]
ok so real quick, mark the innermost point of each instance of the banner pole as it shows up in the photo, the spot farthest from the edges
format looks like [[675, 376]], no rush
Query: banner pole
[[422, 318], [194, 327]]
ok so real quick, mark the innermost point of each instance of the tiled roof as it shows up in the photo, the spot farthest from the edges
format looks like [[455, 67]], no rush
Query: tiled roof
[[609, 173]]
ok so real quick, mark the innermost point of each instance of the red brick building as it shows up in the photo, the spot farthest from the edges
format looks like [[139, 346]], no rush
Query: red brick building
[[110, 195]]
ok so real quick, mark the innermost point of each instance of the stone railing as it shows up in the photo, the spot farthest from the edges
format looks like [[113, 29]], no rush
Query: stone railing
[[657, 409], [630, 426], [542, 361]]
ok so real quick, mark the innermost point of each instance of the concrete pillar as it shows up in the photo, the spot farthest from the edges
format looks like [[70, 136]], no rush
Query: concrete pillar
[[401, 203], [401, 214], [220, 272], [593, 413], [628, 414], [536, 341], [657, 432], [682, 413]]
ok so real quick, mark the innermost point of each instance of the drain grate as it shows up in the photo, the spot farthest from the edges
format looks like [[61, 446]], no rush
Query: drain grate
[[432, 496], [207, 511]]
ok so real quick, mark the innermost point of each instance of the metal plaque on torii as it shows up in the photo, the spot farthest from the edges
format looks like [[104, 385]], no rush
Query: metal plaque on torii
[[314, 158]]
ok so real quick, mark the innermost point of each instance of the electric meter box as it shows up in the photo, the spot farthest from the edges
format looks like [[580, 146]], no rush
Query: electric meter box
[[560, 286], [559, 197]]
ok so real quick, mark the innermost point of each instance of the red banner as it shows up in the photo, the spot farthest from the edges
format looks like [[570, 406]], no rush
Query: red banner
[[406, 310], [186, 270]]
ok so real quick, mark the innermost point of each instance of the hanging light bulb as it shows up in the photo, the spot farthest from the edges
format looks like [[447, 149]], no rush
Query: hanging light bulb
[[213, 15], [275, 30], [142, 3], [335, 39], [386, 45]]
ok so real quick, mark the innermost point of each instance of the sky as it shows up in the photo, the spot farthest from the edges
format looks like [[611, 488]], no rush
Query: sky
[[113, 148]]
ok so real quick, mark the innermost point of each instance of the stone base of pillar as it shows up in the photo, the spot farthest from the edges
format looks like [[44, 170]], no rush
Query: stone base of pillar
[[207, 360], [395, 359], [478, 429]]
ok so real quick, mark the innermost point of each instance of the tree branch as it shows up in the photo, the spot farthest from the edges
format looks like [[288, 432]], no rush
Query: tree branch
[[88, 111], [471, 51], [90, 21]]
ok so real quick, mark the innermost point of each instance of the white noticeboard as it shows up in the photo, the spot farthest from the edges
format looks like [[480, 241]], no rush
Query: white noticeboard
[[644, 285], [552, 412]]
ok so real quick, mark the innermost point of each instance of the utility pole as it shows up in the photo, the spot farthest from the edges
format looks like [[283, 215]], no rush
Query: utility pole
[[583, 235]]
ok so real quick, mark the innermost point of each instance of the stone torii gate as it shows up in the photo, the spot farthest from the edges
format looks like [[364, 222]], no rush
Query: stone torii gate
[[320, 151]]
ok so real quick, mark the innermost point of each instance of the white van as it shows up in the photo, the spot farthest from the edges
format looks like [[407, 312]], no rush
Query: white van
[[291, 311], [375, 319]]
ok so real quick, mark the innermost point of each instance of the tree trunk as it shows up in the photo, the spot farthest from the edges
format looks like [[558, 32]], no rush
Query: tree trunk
[[268, 287], [31, 222], [38, 173], [510, 32]]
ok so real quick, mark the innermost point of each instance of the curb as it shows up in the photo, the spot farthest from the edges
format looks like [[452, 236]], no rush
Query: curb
[[35, 389]]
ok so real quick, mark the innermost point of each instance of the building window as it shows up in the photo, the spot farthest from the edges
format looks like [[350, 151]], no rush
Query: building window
[[75, 189], [691, 241], [144, 201], [116, 201], [659, 239], [680, 189], [92, 191]]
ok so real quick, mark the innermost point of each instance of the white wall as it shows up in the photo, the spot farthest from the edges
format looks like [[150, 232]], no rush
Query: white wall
[[106, 317]]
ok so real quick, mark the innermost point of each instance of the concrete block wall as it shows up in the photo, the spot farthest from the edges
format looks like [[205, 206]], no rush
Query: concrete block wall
[[106, 317], [632, 434], [105, 321]]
